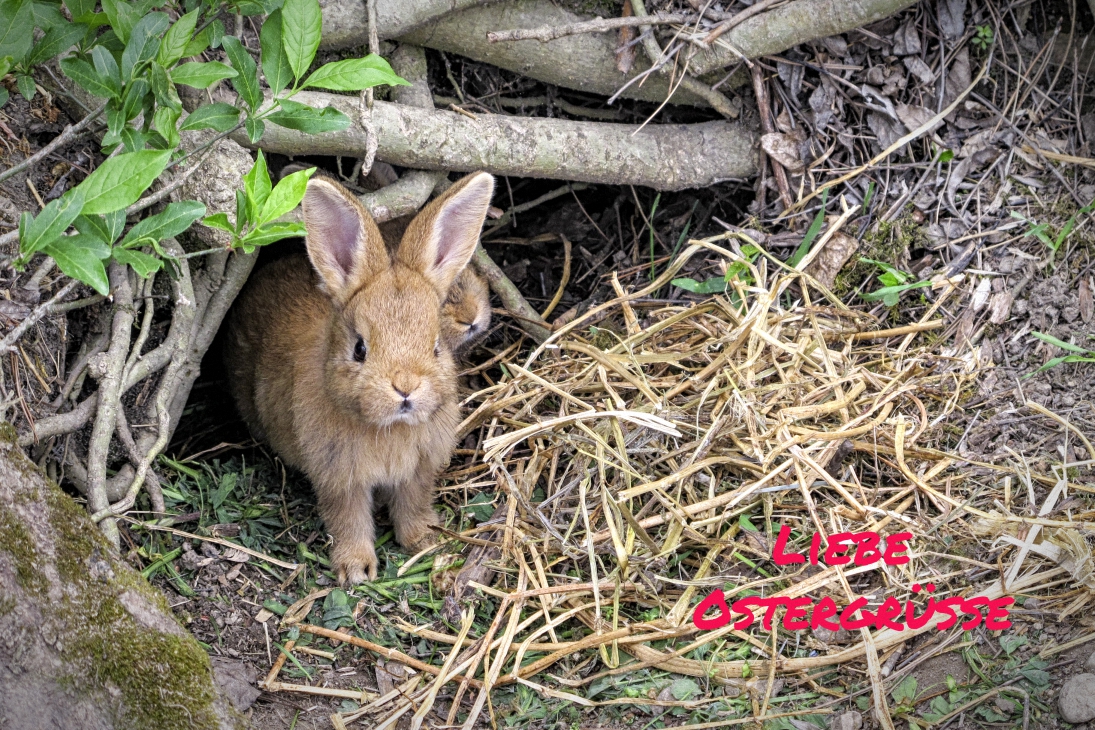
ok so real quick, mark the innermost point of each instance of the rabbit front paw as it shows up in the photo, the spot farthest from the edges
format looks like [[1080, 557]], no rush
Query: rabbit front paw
[[355, 563], [414, 533]]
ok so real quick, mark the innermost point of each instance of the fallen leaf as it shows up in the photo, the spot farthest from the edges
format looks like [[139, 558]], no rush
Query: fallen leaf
[[821, 101], [914, 117], [981, 294], [950, 14], [1000, 306], [831, 259], [235, 555], [887, 130], [906, 41], [784, 150], [919, 69], [959, 75], [13, 310], [957, 175], [784, 123], [791, 75], [836, 45], [1087, 304]]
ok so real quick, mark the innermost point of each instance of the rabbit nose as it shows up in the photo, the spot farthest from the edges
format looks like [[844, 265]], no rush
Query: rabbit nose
[[404, 387]]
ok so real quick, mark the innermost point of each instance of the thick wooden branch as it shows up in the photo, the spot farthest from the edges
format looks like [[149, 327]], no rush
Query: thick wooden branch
[[664, 157], [587, 62]]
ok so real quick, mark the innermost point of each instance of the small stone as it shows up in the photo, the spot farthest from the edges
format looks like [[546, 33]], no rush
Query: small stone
[[1077, 700], [236, 679], [847, 721], [1089, 665]]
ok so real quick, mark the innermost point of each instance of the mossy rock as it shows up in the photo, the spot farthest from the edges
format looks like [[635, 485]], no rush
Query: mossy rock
[[85, 641]]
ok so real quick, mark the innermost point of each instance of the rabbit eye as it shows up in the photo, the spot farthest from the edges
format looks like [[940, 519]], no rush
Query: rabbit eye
[[360, 350]]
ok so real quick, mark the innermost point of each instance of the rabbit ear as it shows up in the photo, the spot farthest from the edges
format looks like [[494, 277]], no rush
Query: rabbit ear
[[440, 241], [344, 243]]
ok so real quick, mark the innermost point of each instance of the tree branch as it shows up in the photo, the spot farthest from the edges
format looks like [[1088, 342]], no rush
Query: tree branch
[[664, 157]]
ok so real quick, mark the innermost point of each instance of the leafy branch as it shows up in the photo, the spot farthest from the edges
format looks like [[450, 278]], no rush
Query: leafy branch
[[134, 56]]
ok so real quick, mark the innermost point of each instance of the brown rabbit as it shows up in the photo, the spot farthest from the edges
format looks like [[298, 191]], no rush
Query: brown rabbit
[[340, 366], [465, 315]]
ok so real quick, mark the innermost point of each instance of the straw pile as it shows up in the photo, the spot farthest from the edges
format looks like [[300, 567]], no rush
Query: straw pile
[[644, 453]]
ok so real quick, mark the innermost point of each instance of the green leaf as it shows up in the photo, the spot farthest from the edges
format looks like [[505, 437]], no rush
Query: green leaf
[[256, 183], [244, 211], [1060, 343], [811, 233], [177, 39], [275, 64], [303, 118], [747, 524], [905, 693], [355, 74], [107, 69], [6, 64], [1038, 677], [115, 122], [684, 689], [123, 16], [225, 487], [166, 122], [897, 274], [106, 228], [144, 264], [246, 83], [4, 96], [52, 222], [92, 225], [255, 128], [175, 219], [201, 75], [219, 221], [891, 294], [119, 182], [16, 28], [164, 90], [336, 610], [133, 100], [133, 139], [219, 116], [25, 83], [47, 15], [83, 74], [198, 43], [715, 285], [481, 506], [1009, 643], [301, 24], [81, 257], [271, 232], [57, 39], [78, 8], [286, 196], [144, 42], [216, 33]]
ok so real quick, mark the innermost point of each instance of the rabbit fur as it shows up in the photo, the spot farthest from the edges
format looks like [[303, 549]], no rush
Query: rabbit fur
[[465, 314], [340, 364]]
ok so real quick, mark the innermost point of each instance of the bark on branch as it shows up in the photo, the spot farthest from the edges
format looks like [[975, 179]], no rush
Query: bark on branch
[[588, 62], [664, 157]]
